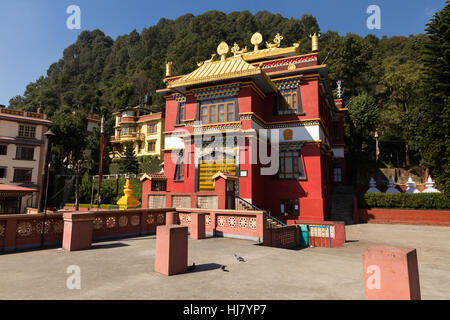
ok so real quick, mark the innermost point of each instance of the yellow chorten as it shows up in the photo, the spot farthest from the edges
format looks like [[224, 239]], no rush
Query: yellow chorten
[[128, 201]]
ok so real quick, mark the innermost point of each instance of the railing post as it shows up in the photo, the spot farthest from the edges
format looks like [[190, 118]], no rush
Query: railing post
[[10, 233], [78, 230]]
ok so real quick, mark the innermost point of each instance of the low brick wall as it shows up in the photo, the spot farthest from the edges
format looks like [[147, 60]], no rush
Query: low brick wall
[[21, 231], [405, 216], [284, 237], [240, 224]]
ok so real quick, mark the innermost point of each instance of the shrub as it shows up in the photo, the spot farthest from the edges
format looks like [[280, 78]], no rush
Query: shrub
[[404, 200]]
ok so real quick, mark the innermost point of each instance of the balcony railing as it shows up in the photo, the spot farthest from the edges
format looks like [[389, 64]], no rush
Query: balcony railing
[[128, 137]]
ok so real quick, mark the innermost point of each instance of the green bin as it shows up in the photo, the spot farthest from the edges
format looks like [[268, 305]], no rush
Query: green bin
[[303, 235]]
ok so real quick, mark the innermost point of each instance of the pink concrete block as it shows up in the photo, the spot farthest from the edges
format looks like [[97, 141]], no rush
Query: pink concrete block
[[171, 218], [78, 228], [171, 256], [198, 226], [391, 273]]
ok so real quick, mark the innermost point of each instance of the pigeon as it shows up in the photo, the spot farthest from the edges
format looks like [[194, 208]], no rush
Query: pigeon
[[223, 269], [240, 259], [191, 268]]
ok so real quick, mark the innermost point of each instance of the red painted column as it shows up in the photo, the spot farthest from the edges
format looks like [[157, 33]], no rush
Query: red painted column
[[220, 184], [171, 255], [197, 229], [391, 273], [171, 218], [78, 228]]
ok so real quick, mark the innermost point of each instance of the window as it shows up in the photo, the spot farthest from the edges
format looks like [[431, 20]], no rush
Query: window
[[2, 173], [3, 149], [9, 205], [27, 131], [179, 168], [128, 131], [22, 175], [290, 207], [292, 101], [151, 128], [151, 146], [158, 185], [181, 112], [24, 153], [337, 175], [218, 111], [291, 165]]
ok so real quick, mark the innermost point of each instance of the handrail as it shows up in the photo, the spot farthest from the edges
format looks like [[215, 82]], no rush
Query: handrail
[[270, 216]]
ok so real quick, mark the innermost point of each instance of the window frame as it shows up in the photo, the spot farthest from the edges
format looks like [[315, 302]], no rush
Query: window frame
[[212, 117], [296, 164], [16, 170], [297, 102], [5, 148], [179, 168], [26, 131], [24, 153], [151, 142]]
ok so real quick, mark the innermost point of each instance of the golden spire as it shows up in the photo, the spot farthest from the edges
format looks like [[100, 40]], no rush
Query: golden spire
[[128, 200], [315, 42], [169, 69]]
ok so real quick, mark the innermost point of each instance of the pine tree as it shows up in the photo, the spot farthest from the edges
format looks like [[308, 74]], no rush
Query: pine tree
[[129, 163], [434, 125]]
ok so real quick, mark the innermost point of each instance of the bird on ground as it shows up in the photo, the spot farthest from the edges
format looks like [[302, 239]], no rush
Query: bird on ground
[[224, 268], [191, 268], [238, 258]]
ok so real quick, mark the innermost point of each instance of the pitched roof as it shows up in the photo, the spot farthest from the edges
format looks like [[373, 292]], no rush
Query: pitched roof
[[153, 176], [4, 187]]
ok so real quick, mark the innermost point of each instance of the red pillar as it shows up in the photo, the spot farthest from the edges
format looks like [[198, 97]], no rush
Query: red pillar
[[171, 218], [171, 256], [78, 228], [198, 226], [391, 273]]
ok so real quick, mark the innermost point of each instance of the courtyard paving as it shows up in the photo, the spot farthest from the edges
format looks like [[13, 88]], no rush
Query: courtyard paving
[[123, 269]]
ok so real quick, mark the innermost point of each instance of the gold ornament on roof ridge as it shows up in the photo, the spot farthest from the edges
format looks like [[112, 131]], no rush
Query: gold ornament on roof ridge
[[315, 41], [237, 51], [256, 40], [222, 50], [169, 69], [276, 42]]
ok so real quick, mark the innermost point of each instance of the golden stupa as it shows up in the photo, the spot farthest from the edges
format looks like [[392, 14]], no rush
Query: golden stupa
[[128, 201]]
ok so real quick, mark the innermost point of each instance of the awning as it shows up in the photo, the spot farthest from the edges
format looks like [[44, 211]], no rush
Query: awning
[[14, 190]]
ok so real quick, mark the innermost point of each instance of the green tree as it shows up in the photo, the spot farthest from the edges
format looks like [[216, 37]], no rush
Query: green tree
[[434, 127], [129, 163]]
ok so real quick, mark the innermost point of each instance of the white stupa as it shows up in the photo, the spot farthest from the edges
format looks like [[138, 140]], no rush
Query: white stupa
[[430, 186], [372, 186], [391, 187], [411, 186]]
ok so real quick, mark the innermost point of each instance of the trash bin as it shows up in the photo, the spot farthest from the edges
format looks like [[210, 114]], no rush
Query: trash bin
[[303, 235]]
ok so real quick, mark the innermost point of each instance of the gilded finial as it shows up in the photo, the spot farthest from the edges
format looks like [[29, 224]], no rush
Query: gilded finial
[[237, 51], [256, 40], [315, 42], [169, 69], [222, 50], [296, 44], [276, 42]]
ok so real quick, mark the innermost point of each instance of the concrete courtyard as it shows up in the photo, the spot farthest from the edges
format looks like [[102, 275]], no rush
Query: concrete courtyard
[[123, 269]]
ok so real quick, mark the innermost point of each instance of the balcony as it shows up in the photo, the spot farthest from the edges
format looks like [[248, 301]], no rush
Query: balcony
[[128, 137]]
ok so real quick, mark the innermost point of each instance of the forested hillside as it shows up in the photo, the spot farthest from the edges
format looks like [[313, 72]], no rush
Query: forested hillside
[[381, 78]]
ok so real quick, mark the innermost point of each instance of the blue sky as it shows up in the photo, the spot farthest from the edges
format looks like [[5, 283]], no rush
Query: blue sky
[[33, 33]]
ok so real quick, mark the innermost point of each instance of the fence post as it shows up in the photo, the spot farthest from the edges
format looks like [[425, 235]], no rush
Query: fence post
[[10, 234]]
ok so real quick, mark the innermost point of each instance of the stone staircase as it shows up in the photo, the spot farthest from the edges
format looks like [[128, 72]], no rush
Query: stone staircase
[[342, 204]]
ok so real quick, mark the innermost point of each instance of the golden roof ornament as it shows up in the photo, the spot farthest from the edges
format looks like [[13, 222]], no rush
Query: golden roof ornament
[[315, 42], [237, 51], [256, 40], [276, 42], [169, 69], [222, 50]]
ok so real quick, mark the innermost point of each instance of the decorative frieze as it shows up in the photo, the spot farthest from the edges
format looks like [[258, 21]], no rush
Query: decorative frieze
[[217, 91]]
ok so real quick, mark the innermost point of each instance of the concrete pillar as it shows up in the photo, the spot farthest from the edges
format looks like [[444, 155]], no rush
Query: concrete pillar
[[391, 273], [78, 228], [171, 255], [198, 228], [171, 218]]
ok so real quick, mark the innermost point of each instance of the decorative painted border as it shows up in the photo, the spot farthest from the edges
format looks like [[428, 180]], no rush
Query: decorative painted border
[[217, 91]]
